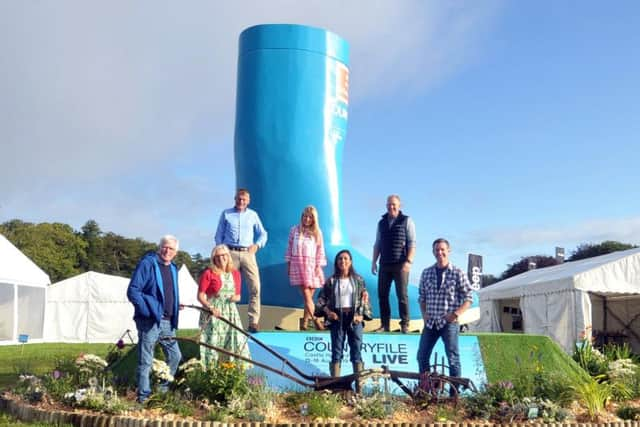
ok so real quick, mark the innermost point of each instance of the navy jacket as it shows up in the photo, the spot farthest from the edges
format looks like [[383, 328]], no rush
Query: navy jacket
[[146, 291]]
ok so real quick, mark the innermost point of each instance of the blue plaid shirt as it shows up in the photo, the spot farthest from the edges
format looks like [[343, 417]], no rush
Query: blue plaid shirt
[[441, 300]]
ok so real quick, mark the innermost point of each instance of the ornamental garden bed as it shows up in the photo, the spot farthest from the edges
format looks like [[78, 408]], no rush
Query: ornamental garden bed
[[533, 385]]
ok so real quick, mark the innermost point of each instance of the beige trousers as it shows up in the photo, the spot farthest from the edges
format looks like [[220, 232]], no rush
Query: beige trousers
[[246, 263]]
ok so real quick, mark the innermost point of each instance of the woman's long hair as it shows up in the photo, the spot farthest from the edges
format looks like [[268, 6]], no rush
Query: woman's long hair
[[352, 271], [314, 228], [223, 249]]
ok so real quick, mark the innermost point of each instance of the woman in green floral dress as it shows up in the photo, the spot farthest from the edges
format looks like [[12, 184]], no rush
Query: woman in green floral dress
[[219, 291]]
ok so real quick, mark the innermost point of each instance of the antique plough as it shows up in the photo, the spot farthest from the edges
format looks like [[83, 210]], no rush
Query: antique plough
[[432, 385]]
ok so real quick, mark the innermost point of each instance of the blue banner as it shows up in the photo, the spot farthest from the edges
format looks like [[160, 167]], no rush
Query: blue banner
[[311, 353]]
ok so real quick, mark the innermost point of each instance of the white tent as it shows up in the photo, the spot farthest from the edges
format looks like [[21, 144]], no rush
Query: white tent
[[93, 307], [89, 307], [23, 290], [599, 296], [188, 295]]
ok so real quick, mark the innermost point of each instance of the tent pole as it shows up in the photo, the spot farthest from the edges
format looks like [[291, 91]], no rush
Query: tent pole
[[604, 320]]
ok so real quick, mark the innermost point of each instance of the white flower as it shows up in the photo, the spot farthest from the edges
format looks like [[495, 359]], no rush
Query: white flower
[[161, 370]]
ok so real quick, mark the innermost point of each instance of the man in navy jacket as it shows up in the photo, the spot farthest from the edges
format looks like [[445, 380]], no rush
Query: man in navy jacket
[[153, 291]]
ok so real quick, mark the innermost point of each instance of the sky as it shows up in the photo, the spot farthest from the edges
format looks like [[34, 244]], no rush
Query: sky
[[509, 128]]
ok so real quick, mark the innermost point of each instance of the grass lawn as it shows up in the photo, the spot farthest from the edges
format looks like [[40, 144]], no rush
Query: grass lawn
[[505, 355], [42, 358]]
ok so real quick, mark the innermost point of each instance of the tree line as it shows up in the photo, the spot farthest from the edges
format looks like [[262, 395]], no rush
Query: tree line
[[63, 252]]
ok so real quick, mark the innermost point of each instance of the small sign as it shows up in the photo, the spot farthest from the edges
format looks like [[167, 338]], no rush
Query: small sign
[[23, 338]]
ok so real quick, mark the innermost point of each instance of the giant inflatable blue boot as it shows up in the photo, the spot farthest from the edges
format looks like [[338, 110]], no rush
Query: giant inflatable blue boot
[[291, 119]]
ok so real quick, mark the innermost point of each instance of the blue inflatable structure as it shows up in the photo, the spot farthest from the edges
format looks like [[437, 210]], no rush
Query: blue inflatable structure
[[291, 124]]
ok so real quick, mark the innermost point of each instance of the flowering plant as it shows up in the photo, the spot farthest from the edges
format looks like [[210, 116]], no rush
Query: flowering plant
[[161, 372]]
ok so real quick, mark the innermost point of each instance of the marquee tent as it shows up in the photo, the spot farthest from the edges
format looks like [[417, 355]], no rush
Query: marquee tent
[[93, 307], [599, 296], [89, 307], [23, 290]]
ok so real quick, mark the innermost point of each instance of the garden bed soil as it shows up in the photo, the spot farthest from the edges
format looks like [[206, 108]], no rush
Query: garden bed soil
[[407, 414]]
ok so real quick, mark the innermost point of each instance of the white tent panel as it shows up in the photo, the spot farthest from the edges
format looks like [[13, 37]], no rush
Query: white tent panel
[[188, 295], [90, 307], [23, 289], [557, 301]]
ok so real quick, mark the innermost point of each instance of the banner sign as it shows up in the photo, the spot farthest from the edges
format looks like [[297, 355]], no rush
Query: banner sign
[[474, 271], [311, 353]]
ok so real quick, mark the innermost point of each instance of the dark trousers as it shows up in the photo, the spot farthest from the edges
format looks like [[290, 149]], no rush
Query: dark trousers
[[387, 274]]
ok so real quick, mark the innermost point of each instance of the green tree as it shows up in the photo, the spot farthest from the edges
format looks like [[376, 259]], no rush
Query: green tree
[[523, 265], [92, 234], [589, 250], [54, 247]]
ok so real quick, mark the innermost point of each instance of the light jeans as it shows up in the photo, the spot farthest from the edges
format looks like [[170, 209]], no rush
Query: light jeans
[[149, 334]]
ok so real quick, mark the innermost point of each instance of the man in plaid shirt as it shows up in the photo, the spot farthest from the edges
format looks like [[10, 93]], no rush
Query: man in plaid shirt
[[445, 293]]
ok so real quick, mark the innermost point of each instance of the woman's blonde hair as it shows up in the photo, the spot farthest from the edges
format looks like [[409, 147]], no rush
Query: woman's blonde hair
[[223, 249], [314, 229]]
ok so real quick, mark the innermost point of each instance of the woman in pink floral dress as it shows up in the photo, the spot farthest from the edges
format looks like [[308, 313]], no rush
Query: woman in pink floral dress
[[305, 258]]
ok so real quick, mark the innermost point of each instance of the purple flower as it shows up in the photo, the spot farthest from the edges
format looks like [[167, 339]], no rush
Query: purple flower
[[57, 374], [120, 344]]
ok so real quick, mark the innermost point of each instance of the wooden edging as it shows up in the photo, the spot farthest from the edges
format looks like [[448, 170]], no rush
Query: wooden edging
[[29, 413]]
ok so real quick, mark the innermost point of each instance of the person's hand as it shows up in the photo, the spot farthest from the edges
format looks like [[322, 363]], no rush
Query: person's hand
[[318, 271], [425, 317], [214, 311], [406, 267], [332, 315], [451, 317], [253, 249], [181, 307], [365, 296], [357, 319], [374, 267]]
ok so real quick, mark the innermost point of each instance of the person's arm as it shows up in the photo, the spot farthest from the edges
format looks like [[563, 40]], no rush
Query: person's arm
[[203, 287], [422, 295], [136, 284], [237, 281], [321, 257], [259, 235], [376, 253], [411, 244], [222, 225]]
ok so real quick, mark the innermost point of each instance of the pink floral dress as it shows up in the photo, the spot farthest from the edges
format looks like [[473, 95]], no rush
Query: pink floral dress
[[304, 253]]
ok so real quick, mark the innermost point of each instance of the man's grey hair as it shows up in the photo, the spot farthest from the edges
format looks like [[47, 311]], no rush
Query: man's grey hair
[[169, 238]]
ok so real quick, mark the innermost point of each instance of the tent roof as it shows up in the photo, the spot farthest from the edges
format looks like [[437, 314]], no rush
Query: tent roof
[[92, 286], [617, 272], [16, 267]]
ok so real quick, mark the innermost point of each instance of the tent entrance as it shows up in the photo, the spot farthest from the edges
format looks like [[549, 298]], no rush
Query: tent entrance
[[616, 319]]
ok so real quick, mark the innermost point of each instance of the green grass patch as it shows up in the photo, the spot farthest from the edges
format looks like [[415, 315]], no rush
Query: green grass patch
[[39, 359], [506, 355]]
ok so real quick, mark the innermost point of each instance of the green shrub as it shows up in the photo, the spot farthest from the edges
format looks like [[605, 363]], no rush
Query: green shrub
[[589, 358], [594, 396], [219, 383], [323, 404], [376, 406]]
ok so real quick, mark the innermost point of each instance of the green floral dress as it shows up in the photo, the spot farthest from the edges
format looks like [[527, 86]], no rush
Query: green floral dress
[[218, 333]]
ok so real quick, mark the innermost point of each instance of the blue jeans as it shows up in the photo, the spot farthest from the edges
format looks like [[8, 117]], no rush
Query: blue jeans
[[340, 329], [149, 334], [428, 339]]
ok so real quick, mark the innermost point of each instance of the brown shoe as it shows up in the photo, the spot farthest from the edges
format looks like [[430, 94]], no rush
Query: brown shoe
[[303, 324], [319, 323], [253, 327], [381, 329]]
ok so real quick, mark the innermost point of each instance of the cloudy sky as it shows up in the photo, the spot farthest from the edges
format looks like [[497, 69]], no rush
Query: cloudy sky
[[514, 126]]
